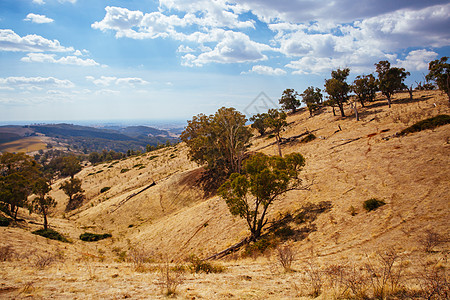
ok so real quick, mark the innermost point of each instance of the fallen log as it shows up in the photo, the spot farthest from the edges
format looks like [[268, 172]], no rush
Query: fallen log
[[229, 250]]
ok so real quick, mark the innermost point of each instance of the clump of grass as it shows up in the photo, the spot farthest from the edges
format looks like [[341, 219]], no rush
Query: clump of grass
[[6, 253], [429, 123], [51, 234], [260, 246], [105, 189], [92, 237], [4, 221], [201, 266], [372, 204]]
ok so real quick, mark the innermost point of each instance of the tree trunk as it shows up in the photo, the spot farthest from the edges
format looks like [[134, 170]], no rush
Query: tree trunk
[[279, 145], [334, 113], [341, 108], [45, 221], [389, 100]]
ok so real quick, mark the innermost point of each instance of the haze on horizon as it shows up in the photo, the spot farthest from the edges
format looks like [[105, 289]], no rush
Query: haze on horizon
[[172, 59]]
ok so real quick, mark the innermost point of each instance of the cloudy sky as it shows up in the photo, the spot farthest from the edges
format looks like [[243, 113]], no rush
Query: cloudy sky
[[172, 59]]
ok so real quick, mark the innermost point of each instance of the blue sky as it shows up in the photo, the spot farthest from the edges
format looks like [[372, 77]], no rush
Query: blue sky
[[172, 59]]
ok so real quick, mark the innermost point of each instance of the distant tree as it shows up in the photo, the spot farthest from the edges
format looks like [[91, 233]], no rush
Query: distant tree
[[440, 73], [390, 79], [219, 141], [18, 173], [289, 100], [312, 98], [365, 88], [337, 88], [94, 158], [264, 180], [72, 188], [64, 165], [259, 123], [277, 121], [42, 204]]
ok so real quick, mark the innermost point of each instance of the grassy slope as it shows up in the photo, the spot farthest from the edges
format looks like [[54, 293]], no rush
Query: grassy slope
[[409, 173]]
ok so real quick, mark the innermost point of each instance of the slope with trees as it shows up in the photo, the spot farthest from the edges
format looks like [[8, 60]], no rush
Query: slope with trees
[[390, 79]]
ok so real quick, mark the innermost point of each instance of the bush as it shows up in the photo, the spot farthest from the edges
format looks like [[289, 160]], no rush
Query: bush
[[373, 204], [260, 246], [6, 253], [51, 234], [430, 123], [285, 256], [124, 170], [92, 237], [105, 189], [310, 137], [199, 266], [4, 221]]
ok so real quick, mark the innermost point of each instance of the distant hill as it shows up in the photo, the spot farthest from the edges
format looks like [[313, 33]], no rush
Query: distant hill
[[89, 139]]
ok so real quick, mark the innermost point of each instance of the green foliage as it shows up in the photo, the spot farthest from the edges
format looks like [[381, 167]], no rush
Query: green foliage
[[365, 88], [42, 204], [289, 100], [372, 204], [93, 237], [390, 79], [310, 137], [72, 188], [260, 246], [201, 266], [312, 98], [218, 140], [263, 180], [4, 221], [105, 189], [276, 120], [440, 73], [51, 234], [260, 123], [337, 88], [124, 170], [429, 123]]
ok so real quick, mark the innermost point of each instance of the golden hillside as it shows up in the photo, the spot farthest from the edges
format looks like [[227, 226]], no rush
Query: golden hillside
[[154, 203]]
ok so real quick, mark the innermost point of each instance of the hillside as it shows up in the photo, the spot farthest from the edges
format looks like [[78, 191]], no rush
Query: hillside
[[154, 203]]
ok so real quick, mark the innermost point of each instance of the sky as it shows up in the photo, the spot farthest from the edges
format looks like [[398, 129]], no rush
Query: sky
[[69, 60]]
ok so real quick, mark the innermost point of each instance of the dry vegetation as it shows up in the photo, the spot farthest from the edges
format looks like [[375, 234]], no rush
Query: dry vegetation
[[398, 251]]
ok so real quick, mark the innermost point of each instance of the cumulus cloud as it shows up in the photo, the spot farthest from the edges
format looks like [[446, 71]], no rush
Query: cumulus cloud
[[417, 60], [51, 58], [38, 19], [111, 80], [266, 70], [40, 2], [10, 41], [185, 49], [34, 82]]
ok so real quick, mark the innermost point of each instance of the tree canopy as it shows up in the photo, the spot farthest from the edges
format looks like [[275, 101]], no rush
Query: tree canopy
[[365, 88], [260, 123], [312, 98], [337, 88], [276, 120], [289, 100], [390, 79], [42, 204], [263, 180], [219, 141], [440, 73]]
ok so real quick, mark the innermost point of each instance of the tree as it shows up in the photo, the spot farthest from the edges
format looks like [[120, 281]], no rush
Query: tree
[[289, 100], [263, 180], [18, 173], [440, 73], [365, 88], [65, 165], [42, 203], [72, 188], [390, 79], [337, 88], [259, 123], [276, 121], [219, 141], [312, 98]]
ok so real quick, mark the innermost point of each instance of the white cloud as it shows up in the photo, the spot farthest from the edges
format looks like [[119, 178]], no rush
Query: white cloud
[[34, 82], [64, 1], [417, 60], [185, 49], [40, 2], [10, 41], [266, 70], [67, 60], [236, 47], [39, 19], [111, 80]]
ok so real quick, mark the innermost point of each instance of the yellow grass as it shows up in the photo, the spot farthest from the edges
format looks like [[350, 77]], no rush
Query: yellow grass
[[28, 144]]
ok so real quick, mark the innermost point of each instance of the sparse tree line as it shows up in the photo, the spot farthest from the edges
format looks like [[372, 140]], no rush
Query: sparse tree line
[[21, 177]]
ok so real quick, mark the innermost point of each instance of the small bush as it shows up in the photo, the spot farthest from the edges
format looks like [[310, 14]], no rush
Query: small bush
[[51, 234], [105, 189], [310, 137], [431, 239], [124, 170], [430, 123], [285, 256], [4, 221], [259, 247], [199, 266], [6, 253], [169, 279], [373, 204], [92, 237], [44, 260], [152, 157]]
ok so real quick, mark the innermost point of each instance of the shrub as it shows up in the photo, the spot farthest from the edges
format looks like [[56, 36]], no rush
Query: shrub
[[124, 170], [310, 137], [372, 204], [92, 237], [259, 247], [105, 189], [4, 221], [6, 253], [431, 239], [44, 260], [285, 256], [51, 234], [429, 123], [169, 279], [199, 266]]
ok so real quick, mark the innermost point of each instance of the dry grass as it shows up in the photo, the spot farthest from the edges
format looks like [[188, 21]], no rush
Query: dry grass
[[28, 144], [410, 174]]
